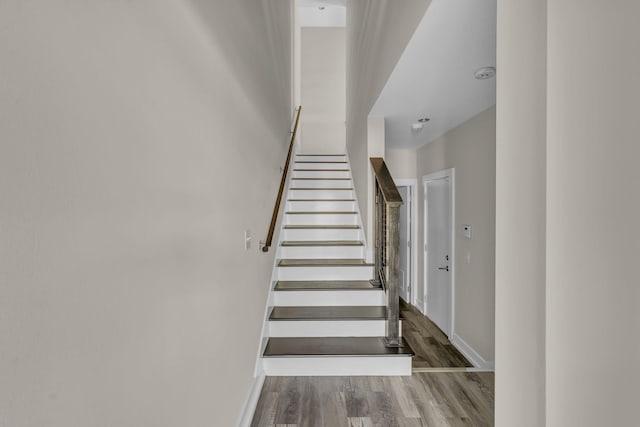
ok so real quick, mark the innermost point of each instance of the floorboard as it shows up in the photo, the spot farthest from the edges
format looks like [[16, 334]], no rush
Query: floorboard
[[436, 399], [431, 346]]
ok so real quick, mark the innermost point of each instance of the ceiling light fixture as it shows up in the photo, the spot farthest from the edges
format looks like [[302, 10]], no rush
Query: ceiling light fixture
[[485, 73]]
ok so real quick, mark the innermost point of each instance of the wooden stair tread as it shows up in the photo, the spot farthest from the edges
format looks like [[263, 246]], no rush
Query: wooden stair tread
[[322, 243], [320, 200], [324, 188], [317, 262], [332, 312], [319, 155], [320, 161], [321, 170], [325, 285], [322, 179], [321, 213], [334, 346], [322, 227]]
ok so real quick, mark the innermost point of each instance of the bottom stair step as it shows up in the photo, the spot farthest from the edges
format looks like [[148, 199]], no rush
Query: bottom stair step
[[334, 346], [349, 356]]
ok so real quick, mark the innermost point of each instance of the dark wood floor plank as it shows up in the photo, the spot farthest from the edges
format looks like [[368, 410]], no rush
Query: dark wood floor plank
[[432, 347]]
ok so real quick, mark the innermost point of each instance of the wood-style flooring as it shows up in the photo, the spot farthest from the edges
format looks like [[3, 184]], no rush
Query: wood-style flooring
[[435, 399], [431, 346]]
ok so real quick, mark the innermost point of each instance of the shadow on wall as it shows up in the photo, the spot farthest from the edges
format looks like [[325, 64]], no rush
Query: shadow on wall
[[231, 26]]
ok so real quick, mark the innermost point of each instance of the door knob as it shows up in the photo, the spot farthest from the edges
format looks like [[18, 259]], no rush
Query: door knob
[[444, 268]]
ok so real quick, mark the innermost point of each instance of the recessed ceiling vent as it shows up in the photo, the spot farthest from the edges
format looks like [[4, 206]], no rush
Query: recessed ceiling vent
[[485, 73]]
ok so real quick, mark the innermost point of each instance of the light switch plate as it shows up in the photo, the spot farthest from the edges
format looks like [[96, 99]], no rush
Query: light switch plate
[[466, 230]]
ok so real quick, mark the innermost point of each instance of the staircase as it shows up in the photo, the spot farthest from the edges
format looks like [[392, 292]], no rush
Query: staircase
[[327, 318]]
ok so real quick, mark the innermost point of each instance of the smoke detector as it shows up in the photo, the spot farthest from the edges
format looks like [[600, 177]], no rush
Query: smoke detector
[[485, 73]]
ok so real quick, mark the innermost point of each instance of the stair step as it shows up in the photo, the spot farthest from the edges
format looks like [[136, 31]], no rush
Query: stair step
[[322, 227], [321, 213], [321, 161], [325, 285], [319, 170], [329, 313], [322, 263], [322, 174], [321, 179], [321, 193], [321, 206], [334, 346], [320, 183], [322, 243], [321, 200], [323, 188]]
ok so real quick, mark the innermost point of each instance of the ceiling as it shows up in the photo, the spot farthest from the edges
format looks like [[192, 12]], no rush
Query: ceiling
[[434, 77], [321, 13]]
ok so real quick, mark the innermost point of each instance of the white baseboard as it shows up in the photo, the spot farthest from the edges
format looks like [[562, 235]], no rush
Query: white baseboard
[[472, 355], [252, 401]]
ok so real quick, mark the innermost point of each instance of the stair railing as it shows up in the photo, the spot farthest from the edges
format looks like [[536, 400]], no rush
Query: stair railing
[[283, 180], [387, 246]]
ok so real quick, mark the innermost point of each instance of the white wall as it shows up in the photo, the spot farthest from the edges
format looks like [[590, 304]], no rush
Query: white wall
[[593, 205], [377, 33], [567, 299], [470, 149], [401, 162], [520, 213], [138, 141], [323, 80]]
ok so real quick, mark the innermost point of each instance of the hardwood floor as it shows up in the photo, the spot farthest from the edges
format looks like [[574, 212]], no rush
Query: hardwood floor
[[423, 399], [431, 346]]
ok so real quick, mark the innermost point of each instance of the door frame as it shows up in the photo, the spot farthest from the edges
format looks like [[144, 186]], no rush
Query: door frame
[[412, 183], [451, 174]]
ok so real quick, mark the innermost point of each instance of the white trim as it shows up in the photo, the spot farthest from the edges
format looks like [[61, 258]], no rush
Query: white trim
[[451, 174], [471, 354], [412, 183], [338, 366], [368, 252], [252, 402]]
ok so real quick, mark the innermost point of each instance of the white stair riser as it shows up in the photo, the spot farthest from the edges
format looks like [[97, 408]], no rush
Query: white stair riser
[[327, 252], [320, 174], [327, 328], [321, 166], [302, 157], [326, 273], [322, 219], [337, 366], [329, 298], [322, 234], [321, 206], [321, 183], [320, 194]]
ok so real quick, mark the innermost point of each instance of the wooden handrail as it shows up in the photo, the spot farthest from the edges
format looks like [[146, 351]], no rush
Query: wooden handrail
[[387, 247], [385, 181], [283, 181]]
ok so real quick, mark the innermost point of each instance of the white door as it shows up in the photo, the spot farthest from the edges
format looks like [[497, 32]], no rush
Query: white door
[[405, 243], [438, 252]]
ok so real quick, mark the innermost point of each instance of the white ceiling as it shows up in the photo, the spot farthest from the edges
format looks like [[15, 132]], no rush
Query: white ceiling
[[435, 76], [321, 13]]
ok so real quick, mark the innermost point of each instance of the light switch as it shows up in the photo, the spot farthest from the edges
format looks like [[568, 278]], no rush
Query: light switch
[[247, 240], [466, 231]]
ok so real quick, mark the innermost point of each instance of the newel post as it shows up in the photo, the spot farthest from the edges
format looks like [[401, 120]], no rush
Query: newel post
[[393, 275]]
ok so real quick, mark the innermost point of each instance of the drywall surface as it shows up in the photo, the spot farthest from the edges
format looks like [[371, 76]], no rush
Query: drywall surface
[[377, 33], [520, 213], [138, 140], [593, 206], [401, 162], [323, 80], [470, 149]]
